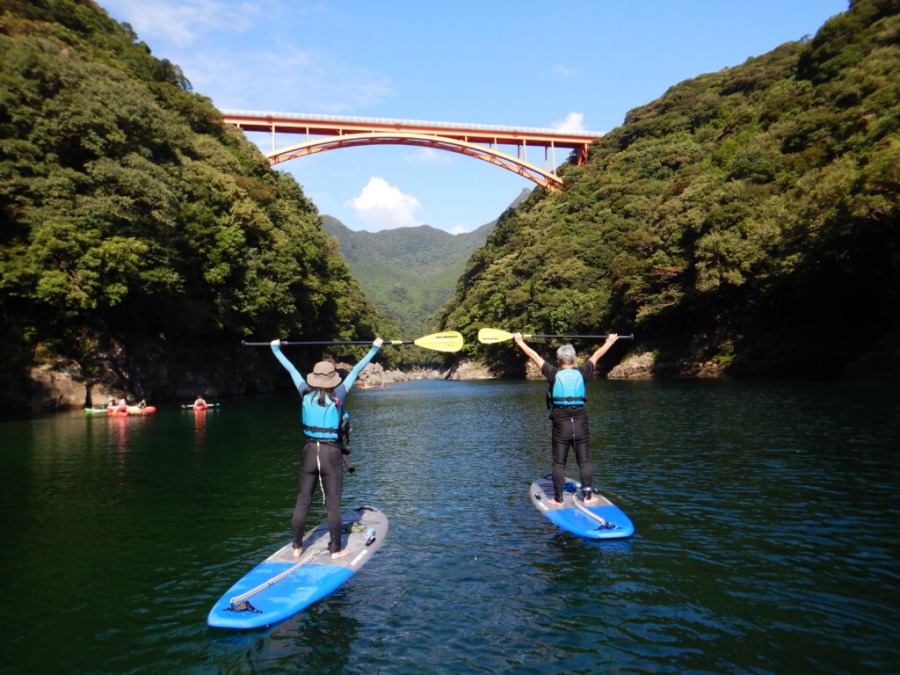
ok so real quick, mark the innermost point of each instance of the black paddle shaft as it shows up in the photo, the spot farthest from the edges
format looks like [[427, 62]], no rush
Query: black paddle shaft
[[586, 337], [283, 343]]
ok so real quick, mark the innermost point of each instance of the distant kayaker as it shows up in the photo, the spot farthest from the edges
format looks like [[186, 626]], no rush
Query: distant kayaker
[[323, 395], [200, 403], [567, 398], [122, 407]]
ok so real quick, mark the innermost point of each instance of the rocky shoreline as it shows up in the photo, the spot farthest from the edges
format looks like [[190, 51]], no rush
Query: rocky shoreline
[[61, 386]]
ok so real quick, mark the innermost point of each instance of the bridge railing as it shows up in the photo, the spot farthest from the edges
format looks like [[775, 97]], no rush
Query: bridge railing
[[411, 123]]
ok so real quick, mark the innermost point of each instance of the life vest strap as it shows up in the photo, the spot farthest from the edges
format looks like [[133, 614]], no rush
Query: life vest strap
[[578, 400], [320, 430]]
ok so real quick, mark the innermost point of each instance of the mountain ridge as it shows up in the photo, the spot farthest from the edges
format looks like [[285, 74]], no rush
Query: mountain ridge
[[409, 273]]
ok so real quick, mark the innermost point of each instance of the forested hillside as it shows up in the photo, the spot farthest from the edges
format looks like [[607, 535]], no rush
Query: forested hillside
[[142, 240], [410, 272], [747, 218]]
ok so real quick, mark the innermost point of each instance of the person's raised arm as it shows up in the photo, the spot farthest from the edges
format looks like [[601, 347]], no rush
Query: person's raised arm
[[610, 339], [533, 355], [357, 369], [299, 382]]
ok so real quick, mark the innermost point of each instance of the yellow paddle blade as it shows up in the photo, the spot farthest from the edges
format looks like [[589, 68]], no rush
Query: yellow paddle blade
[[489, 336], [448, 341]]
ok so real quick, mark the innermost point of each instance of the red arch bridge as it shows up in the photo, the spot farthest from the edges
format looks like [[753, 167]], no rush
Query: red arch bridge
[[484, 142]]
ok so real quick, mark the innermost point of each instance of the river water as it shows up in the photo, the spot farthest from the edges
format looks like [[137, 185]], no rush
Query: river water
[[766, 518]]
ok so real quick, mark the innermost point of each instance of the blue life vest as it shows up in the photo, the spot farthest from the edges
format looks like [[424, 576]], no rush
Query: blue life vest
[[568, 388], [321, 421]]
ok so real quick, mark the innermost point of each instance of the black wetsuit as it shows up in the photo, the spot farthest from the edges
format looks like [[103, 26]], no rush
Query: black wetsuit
[[570, 430], [321, 458]]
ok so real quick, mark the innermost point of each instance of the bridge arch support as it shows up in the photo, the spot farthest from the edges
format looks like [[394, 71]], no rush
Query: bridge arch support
[[480, 141], [518, 166]]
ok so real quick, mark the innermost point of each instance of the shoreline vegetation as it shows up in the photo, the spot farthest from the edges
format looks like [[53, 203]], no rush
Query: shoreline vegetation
[[742, 225], [62, 389]]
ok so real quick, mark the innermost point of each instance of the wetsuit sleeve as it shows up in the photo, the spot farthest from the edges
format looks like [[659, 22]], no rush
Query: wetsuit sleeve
[[299, 382], [357, 369], [587, 369], [549, 371]]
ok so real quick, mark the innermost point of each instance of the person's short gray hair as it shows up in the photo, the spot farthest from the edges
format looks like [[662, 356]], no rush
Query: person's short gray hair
[[566, 354]]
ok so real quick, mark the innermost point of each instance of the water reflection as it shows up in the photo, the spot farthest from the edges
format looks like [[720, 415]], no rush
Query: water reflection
[[318, 640], [199, 426], [765, 514]]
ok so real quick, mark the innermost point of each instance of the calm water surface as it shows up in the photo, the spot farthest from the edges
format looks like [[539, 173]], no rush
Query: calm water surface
[[766, 518]]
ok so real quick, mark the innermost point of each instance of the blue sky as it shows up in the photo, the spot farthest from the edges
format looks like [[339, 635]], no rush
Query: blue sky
[[580, 63]]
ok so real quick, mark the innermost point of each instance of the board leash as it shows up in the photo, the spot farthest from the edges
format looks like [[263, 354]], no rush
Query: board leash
[[604, 524], [239, 602], [579, 504]]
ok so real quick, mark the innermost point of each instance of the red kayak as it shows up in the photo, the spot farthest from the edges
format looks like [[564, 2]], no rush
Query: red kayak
[[131, 410]]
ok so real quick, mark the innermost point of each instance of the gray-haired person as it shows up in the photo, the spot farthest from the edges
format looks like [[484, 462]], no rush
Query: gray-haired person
[[567, 399]]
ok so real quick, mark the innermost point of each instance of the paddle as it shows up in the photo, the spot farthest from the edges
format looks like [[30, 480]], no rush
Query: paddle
[[489, 336], [188, 406], [448, 341]]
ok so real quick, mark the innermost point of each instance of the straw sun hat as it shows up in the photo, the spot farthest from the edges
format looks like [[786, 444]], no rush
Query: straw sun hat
[[323, 376]]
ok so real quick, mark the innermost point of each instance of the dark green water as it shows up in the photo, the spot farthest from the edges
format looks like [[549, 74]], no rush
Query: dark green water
[[766, 516]]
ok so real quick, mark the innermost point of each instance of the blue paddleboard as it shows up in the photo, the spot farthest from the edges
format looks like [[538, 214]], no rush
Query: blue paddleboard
[[601, 520], [281, 585]]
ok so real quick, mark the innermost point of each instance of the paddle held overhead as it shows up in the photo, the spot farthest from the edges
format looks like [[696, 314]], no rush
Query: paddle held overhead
[[489, 336], [447, 341]]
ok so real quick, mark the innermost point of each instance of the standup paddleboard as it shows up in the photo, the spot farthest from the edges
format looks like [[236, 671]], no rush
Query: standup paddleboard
[[281, 585], [601, 520]]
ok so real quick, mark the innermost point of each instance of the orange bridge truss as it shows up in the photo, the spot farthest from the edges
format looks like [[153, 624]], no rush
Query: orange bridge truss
[[327, 132]]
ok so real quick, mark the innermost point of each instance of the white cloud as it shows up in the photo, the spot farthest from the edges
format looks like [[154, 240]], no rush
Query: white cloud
[[574, 122], [182, 24], [385, 206], [299, 80], [243, 55]]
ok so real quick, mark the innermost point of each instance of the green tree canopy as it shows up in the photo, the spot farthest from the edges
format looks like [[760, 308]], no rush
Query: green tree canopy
[[747, 215], [132, 217]]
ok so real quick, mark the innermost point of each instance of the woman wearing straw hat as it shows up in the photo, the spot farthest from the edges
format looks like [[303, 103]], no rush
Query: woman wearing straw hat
[[323, 395]]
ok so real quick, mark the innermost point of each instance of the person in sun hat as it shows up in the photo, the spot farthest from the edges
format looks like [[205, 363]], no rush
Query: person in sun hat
[[322, 394], [567, 398]]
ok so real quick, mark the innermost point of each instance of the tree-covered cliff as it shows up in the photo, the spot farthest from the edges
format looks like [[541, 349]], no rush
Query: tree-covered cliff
[[748, 217], [140, 238]]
